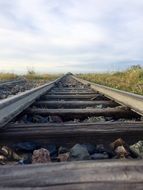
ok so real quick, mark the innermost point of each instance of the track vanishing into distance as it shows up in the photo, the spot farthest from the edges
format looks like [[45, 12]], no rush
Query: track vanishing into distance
[[66, 112]]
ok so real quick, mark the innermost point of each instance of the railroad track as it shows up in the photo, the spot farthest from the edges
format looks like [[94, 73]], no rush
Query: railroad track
[[66, 112], [11, 82]]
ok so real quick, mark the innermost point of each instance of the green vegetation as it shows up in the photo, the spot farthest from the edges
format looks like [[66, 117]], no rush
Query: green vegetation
[[130, 80], [7, 76], [32, 75]]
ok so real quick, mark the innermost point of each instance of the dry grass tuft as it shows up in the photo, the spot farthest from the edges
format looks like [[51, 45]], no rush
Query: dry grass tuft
[[32, 75], [7, 76], [130, 80]]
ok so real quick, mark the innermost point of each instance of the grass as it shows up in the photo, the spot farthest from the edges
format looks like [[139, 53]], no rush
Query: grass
[[130, 80], [30, 75], [8, 76], [35, 76]]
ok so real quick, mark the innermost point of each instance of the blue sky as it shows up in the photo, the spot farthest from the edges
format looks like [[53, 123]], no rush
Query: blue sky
[[70, 35]]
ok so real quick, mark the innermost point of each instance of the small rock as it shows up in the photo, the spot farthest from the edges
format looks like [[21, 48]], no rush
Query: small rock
[[109, 119], [94, 119], [116, 143], [62, 150], [55, 119], [90, 148], [52, 148], [41, 156], [78, 152], [76, 121], [9, 153], [25, 119], [88, 85], [137, 148], [98, 156], [2, 160], [121, 152], [40, 119], [63, 157], [100, 148], [100, 106], [26, 159], [26, 146]]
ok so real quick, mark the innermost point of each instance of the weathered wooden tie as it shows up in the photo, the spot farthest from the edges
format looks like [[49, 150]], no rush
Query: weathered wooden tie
[[71, 93], [68, 88], [73, 90], [84, 175], [75, 104], [75, 97], [65, 134], [116, 112], [98, 125]]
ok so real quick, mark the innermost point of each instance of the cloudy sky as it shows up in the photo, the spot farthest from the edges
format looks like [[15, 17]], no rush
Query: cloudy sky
[[70, 35]]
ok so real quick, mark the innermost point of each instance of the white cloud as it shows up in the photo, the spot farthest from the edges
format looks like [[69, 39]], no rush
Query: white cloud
[[71, 35]]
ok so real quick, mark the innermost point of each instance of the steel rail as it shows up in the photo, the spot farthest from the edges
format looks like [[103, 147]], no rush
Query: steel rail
[[11, 107], [133, 101]]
